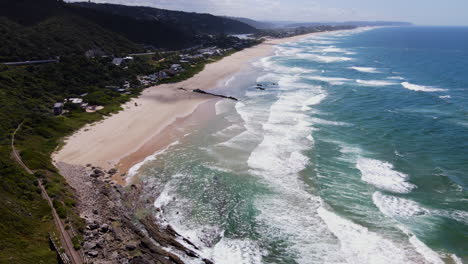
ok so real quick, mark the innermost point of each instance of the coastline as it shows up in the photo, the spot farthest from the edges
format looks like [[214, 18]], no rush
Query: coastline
[[150, 122]]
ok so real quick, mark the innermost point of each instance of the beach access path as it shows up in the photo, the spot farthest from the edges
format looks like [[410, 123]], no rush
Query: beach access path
[[65, 238]]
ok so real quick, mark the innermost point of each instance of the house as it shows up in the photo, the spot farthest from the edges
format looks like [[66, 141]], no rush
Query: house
[[117, 61], [75, 100], [58, 109], [209, 53], [176, 67], [162, 75], [170, 72]]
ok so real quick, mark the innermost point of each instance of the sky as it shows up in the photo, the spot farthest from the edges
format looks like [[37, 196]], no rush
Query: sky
[[421, 12]]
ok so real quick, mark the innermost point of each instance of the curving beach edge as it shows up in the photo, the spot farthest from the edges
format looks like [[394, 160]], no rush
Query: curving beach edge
[[149, 123]]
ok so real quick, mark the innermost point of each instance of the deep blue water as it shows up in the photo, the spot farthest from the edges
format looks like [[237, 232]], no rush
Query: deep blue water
[[355, 152]]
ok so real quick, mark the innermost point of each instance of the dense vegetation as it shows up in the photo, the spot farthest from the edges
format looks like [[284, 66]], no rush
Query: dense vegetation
[[27, 95], [55, 36], [44, 29], [188, 22]]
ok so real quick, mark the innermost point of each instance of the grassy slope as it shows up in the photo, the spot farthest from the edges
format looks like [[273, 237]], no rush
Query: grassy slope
[[27, 93]]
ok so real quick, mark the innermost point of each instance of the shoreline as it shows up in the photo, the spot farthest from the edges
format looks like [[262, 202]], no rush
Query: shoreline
[[150, 122]]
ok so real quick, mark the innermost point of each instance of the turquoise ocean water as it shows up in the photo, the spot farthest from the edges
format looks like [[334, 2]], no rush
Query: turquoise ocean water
[[355, 152]]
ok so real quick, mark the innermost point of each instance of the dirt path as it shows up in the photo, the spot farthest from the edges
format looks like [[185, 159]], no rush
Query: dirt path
[[65, 238]]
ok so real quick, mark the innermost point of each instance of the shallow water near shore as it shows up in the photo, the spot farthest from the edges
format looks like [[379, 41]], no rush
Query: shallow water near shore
[[354, 149]]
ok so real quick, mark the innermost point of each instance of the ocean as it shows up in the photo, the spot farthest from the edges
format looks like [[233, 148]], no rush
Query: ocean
[[344, 147]]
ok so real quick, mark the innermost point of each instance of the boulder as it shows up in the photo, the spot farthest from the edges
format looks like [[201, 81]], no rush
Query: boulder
[[130, 247], [92, 253], [97, 173], [93, 226], [89, 245], [104, 228], [112, 171]]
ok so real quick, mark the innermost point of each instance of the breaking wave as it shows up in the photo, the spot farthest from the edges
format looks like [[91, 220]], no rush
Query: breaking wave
[[421, 88], [383, 176], [365, 69]]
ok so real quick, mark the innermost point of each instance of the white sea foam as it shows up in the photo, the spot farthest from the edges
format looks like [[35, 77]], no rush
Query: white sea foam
[[382, 175], [365, 69], [400, 208], [223, 106], [458, 215], [314, 100], [328, 49], [359, 245], [333, 49], [330, 80], [429, 255], [236, 251], [421, 88], [286, 51], [456, 259], [322, 58], [136, 168], [397, 207], [396, 78], [328, 122], [445, 97], [228, 81], [374, 82], [268, 64], [269, 77], [291, 215], [276, 161], [393, 206], [318, 41]]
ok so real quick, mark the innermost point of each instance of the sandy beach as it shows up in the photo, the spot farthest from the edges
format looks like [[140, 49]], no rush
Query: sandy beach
[[149, 123]]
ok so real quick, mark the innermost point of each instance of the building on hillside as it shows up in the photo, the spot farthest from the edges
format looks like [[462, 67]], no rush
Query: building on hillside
[[117, 61], [75, 100], [177, 67], [58, 109], [162, 75]]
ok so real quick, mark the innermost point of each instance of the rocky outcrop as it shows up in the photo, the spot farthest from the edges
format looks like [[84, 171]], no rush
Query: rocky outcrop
[[113, 233], [216, 95]]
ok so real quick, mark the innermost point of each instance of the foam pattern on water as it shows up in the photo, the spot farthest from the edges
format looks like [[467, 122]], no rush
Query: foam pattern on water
[[382, 175]]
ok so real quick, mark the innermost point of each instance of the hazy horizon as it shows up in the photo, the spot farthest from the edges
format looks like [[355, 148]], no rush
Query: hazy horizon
[[419, 12]]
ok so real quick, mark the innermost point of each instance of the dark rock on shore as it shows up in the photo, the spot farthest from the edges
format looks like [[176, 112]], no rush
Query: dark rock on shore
[[216, 95]]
